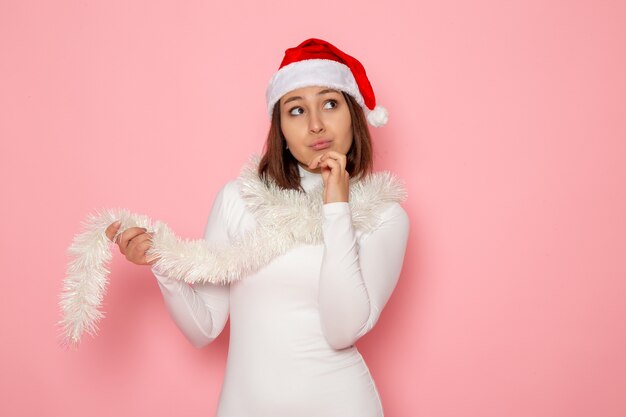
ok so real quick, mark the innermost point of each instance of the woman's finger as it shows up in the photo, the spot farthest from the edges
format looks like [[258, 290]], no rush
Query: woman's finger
[[138, 246], [340, 158], [112, 229], [333, 165], [127, 236], [335, 155], [315, 162]]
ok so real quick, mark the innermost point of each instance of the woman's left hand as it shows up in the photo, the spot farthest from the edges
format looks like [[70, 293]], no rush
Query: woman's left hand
[[336, 178]]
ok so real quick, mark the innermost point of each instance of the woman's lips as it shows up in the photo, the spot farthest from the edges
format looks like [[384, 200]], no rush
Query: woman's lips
[[321, 144]]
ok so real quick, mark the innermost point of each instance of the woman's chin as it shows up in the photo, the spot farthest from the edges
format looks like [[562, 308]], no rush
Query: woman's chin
[[306, 167]]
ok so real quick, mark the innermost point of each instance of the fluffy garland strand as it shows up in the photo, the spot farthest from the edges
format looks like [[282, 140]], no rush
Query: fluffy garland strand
[[285, 219]]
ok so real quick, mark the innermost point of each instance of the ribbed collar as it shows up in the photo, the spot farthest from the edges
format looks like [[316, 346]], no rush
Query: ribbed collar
[[309, 180]]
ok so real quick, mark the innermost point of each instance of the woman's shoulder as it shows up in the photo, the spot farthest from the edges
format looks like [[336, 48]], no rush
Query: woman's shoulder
[[229, 197], [396, 212], [380, 189], [230, 190], [233, 209]]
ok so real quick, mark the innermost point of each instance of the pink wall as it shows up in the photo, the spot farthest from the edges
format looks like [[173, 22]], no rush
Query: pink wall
[[507, 121]]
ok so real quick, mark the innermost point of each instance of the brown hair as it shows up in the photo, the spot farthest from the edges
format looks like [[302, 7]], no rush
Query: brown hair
[[279, 164]]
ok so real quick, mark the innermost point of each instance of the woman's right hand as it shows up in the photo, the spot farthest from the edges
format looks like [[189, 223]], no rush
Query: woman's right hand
[[134, 242]]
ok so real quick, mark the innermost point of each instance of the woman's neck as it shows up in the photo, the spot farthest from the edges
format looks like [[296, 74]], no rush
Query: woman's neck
[[309, 179]]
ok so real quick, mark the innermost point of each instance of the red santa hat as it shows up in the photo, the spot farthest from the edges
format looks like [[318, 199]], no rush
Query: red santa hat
[[318, 63]]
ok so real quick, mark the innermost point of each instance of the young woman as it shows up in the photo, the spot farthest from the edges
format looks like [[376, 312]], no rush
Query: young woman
[[295, 320]]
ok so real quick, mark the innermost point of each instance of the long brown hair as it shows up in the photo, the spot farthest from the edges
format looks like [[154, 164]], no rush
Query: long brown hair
[[279, 164]]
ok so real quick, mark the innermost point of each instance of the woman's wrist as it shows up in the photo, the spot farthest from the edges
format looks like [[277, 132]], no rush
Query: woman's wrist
[[336, 207]]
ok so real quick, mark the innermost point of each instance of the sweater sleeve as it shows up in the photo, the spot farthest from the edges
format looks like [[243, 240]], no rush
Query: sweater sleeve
[[357, 276], [200, 310]]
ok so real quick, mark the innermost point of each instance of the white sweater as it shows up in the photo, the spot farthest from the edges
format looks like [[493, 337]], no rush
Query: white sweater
[[295, 321]]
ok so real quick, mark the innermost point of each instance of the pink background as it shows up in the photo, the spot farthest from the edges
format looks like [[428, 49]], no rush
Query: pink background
[[507, 122]]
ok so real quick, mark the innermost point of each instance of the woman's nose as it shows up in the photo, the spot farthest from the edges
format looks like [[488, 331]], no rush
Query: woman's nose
[[316, 125]]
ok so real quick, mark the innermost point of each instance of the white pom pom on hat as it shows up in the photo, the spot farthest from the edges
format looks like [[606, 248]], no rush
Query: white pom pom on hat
[[318, 63]]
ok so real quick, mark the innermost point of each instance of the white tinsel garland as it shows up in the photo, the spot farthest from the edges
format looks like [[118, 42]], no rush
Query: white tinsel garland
[[285, 218]]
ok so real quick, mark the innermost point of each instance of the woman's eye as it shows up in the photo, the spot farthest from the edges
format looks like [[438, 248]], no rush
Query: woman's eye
[[296, 111], [333, 102]]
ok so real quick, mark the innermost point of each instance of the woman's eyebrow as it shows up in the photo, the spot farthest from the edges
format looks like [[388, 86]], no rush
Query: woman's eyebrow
[[328, 90], [319, 93]]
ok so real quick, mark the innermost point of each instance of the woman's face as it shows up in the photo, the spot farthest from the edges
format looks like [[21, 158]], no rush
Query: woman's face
[[315, 120]]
